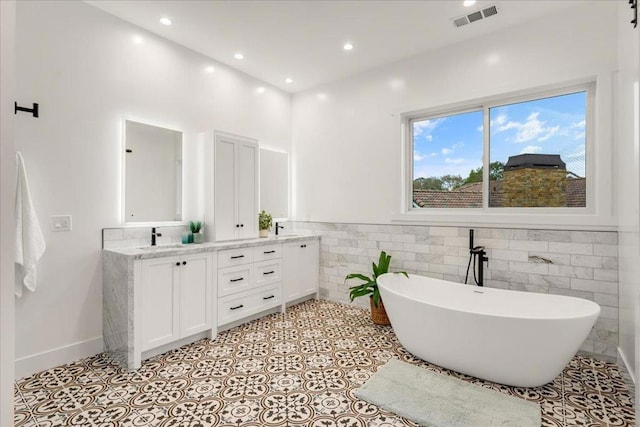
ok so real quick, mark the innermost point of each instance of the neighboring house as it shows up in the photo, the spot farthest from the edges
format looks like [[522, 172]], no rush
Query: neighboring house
[[536, 180]]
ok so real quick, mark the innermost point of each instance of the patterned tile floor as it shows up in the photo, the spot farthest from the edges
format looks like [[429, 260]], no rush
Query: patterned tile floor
[[296, 369]]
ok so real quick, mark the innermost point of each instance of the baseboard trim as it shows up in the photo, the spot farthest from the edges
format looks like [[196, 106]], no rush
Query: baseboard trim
[[629, 375], [29, 365]]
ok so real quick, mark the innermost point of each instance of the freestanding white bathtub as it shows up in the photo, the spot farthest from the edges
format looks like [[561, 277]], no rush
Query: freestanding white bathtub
[[509, 337]]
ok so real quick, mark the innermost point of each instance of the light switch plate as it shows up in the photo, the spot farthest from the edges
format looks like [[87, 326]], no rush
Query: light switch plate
[[61, 223]]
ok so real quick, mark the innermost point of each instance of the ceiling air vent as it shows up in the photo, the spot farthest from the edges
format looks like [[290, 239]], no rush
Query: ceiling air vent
[[475, 16], [490, 11]]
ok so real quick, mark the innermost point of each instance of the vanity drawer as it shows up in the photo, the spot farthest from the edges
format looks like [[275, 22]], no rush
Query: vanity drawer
[[267, 272], [261, 253], [236, 279], [267, 298], [235, 307], [230, 257]]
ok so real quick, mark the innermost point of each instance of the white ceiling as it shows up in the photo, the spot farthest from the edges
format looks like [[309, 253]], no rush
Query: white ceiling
[[303, 39]]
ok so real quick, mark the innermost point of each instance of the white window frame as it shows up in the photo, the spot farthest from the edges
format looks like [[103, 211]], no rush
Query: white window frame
[[524, 217]]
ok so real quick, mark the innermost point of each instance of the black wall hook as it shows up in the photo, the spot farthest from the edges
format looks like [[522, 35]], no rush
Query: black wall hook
[[634, 6], [33, 110]]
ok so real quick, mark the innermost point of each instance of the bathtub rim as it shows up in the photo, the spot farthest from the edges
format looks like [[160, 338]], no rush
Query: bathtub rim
[[596, 309]]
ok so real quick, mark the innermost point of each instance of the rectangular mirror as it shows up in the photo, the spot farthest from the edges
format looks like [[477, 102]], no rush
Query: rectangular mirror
[[152, 173], [274, 183]]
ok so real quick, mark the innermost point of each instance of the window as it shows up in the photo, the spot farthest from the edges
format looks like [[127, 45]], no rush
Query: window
[[532, 154]]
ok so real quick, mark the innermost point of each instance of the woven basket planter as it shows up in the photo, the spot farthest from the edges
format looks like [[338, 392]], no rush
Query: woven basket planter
[[379, 314]]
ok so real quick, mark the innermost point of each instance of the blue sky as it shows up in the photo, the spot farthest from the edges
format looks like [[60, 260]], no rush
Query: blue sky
[[453, 144]]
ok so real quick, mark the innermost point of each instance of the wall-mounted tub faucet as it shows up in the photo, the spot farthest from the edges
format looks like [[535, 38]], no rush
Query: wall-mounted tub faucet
[[481, 255], [154, 234]]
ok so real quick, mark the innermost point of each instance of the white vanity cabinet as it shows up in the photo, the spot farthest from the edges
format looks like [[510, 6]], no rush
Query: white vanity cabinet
[[301, 269], [249, 281], [234, 207], [175, 298], [157, 299]]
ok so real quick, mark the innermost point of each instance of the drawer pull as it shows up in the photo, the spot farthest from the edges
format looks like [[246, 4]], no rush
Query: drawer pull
[[269, 252], [236, 307], [237, 256], [269, 297], [303, 246], [268, 272], [236, 280]]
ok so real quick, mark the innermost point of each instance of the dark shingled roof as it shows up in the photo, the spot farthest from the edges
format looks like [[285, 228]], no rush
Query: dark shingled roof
[[470, 195]]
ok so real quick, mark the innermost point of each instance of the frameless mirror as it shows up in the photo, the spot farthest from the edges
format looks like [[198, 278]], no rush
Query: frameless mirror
[[274, 183], [152, 173]]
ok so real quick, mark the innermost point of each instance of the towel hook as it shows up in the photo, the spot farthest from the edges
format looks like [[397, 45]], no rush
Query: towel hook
[[33, 110]]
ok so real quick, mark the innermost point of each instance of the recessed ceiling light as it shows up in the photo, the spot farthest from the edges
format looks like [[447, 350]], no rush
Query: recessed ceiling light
[[238, 56], [347, 46], [468, 3], [288, 80], [209, 69], [165, 21], [137, 39], [260, 90]]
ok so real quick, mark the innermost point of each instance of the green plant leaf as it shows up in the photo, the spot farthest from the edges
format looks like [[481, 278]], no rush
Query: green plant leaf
[[376, 297], [358, 276]]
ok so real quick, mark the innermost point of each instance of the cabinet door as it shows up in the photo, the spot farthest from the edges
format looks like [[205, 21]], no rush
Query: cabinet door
[[160, 295], [195, 293], [225, 189], [301, 269], [247, 189], [310, 262]]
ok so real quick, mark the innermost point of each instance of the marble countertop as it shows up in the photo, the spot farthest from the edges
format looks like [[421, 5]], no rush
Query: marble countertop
[[146, 252]]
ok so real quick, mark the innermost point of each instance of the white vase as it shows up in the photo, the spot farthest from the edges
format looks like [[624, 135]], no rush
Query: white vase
[[264, 233]]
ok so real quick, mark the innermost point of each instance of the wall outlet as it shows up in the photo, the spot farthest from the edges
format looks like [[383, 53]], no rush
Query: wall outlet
[[61, 223]]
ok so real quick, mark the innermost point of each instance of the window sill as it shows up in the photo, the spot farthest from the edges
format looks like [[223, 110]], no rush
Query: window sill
[[514, 218]]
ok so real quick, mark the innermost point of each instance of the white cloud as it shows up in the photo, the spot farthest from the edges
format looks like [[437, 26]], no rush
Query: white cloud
[[426, 126], [446, 151], [579, 135], [531, 149], [434, 154], [550, 132], [417, 157], [531, 129], [500, 120], [454, 161]]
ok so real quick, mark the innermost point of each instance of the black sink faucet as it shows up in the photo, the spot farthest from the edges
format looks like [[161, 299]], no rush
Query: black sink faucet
[[154, 234], [278, 226]]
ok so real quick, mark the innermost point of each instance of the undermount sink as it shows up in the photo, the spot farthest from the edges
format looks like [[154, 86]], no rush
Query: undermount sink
[[167, 246]]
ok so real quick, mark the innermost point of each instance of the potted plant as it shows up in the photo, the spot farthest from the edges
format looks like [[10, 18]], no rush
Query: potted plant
[[370, 288], [195, 227], [265, 221]]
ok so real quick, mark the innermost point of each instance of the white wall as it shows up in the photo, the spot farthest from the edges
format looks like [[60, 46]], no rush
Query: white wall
[[628, 179], [7, 195], [347, 136], [84, 69]]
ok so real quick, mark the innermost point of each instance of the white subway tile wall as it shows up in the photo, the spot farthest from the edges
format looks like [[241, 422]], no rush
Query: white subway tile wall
[[582, 264]]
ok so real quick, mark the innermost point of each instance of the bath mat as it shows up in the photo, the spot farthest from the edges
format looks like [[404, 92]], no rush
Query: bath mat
[[432, 399]]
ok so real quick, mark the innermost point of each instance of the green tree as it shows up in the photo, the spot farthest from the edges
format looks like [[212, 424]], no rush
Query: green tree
[[430, 183], [451, 182], [496, 170]]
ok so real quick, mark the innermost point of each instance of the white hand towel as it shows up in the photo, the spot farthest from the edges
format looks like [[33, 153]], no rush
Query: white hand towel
[[30, 243]]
